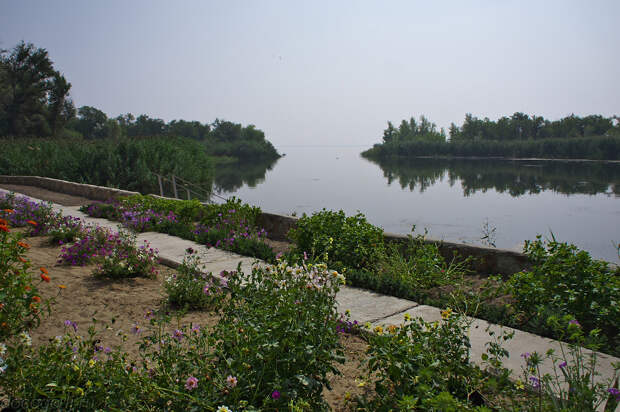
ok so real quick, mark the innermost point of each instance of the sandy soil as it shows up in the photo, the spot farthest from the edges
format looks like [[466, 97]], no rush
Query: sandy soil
[[86, 297]]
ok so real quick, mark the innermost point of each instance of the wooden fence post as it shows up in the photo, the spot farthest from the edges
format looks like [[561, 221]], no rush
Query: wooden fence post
[[174, 188]]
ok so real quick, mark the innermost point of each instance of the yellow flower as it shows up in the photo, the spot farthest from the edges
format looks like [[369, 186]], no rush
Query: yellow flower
[[392, 329], [379, 329], [76, 368], [91, 363], [89, 384], [519, 384], [80, 391], [445, 314], [407, 317]]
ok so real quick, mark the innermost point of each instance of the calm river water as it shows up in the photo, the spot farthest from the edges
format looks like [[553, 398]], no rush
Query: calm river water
[[579, 202]]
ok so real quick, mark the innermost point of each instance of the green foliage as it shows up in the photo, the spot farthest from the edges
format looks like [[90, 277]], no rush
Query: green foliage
[[34, 98], [185, 210], [574, 384], [127, 260], [189, 288], [72, 373], [595, 147], [124, 163], [349, 242], [20, 301], [520, 136], [420, 265], [278, 332], [420, 366], [567, 281], [233, 210]]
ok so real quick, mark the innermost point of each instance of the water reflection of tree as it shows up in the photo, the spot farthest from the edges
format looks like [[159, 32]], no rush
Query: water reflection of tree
[[232, 176], [505, 176]]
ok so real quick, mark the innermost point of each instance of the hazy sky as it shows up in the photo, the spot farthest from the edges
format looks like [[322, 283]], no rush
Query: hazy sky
[[329, 72]]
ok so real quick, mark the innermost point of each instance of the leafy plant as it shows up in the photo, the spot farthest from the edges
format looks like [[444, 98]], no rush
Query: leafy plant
[[420, 366], [190, 288], [21, 304], [349, 242], [567, 281], [127, 260]]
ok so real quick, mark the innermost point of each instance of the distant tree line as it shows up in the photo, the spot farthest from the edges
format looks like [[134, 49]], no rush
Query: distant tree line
[[35, 102], [518, 136]]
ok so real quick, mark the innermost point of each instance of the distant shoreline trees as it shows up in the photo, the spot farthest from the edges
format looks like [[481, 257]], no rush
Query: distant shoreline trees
[[517, 136], [35, 103]]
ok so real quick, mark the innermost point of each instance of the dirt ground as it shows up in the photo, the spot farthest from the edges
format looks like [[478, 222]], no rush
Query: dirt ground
[[86, 297]]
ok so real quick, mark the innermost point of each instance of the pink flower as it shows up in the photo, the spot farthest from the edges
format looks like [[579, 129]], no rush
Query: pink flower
[[191, 383], [231, 381], [275, 395]]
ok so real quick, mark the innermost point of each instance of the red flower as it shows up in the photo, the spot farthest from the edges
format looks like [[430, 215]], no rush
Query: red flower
[[4, 228], [32, 222], [24, 244], [45, 278], [36, 299], [44, 271]]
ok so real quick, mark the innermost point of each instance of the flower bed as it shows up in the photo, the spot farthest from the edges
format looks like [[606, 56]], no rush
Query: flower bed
[[272, 346], [231, 226]]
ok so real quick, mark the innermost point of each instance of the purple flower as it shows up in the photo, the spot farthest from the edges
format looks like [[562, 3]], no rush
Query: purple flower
[[614, 392], [178, 335], [275, 395], [136, 329], [526, 355], [72, 324], [535, 382], [191, 383], [574, 322], [562, 365]]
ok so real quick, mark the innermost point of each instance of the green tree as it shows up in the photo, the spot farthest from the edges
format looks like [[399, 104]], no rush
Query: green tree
[[34, 96]]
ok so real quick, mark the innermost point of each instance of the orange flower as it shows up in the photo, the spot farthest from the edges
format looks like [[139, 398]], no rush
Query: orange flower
[[3, 324], [1, 306], [27, 288], [3, 222], [62, 287], [4, 228], [24, 244], [36, 299], [44, 271], [33, 307], [45, 278], [21, 259], [32, 222], [9, 210]]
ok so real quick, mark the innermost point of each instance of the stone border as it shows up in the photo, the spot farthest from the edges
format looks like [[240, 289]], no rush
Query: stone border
[[69, 188], [486, 260]]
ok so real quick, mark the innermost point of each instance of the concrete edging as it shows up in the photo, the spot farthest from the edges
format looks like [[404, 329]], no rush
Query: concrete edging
[[69, 188]]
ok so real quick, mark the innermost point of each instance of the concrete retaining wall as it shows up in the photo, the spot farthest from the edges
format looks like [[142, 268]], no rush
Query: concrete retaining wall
[[69, 188], [486, 260]]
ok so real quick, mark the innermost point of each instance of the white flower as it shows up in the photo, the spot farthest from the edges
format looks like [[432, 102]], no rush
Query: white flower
[[2, 349], [25, 338], [223, 409]]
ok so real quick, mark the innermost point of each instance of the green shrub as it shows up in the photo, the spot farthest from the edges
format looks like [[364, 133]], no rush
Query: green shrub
[[189, 288], [419, 365], [349, 242], [567, 281]]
